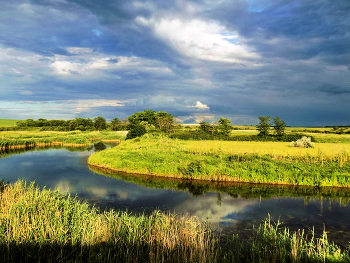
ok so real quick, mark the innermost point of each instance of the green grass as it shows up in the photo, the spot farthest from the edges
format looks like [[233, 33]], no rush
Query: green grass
[[17, 139], [8, 122], [40, 225], [162, 156]]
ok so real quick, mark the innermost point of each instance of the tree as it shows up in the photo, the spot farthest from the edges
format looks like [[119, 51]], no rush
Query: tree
[[116, 124], [225, 126], [264, 126], [164, 121], [206, 127], [280, 126], [148, 116], [136, 130], [100, 123]]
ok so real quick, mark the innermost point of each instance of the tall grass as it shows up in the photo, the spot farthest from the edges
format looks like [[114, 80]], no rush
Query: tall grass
[[45, 226], [225, 161], [11, 140], [271, 243]]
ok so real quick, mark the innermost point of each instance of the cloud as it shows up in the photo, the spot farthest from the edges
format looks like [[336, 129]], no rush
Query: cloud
[[206, 206], [199, 39], [199, 105], [238, 58], [334, 89]]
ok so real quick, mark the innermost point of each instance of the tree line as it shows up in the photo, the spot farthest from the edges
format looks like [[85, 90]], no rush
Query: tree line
[[84, 124], [150, 121]]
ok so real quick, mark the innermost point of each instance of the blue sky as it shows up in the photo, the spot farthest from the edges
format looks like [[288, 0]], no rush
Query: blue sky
[[199, 60]]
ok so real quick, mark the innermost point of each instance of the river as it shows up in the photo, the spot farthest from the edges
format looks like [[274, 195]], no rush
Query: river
[[233, 208]]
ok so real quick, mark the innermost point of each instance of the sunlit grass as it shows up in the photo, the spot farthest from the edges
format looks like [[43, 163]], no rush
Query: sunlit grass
[[46, 226], [43, 225], [18, 139], [327, 150], [256, 162]]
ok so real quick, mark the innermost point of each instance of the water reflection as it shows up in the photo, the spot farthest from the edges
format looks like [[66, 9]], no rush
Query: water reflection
[[233, 207]]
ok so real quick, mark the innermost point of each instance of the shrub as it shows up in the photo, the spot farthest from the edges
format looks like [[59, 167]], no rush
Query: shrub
[[304, 142]]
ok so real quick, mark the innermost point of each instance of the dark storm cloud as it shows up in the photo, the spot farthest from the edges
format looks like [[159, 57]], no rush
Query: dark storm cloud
[[334, 89], [199, 60], [309, 28]]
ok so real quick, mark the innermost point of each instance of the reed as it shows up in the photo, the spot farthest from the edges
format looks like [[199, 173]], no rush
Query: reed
[[45, 226], [40, 225], [20, 139]]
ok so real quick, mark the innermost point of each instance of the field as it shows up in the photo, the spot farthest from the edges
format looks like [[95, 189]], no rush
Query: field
[[40, 225], [7, 122], [327, 164]]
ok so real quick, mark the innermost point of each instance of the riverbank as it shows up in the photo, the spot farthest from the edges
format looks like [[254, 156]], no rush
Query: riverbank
[[253, 162], [29, 139], [40, 225]]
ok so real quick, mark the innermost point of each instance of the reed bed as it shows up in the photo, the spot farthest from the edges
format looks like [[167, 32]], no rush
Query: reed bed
[[40, 225], [45, 226], [11, 140], [255, 162]]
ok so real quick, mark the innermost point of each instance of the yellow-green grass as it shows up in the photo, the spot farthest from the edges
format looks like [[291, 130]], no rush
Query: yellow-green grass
[[255, 162], [15, 139], [45, 226], [276, 149], [8, 122]]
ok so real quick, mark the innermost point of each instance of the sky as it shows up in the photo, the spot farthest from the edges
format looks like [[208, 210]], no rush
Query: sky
[[199, 60]]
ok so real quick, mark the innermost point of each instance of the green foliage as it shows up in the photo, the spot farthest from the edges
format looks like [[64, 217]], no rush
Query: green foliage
[[206, 127], [152, 120], [117, 125], [225, 126], [279, 126], [264, 126], [100, 123], [136, 130]]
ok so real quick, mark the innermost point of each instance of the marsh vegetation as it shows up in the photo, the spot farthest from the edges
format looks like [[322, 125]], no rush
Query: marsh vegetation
[[43, 225], [254, 162]]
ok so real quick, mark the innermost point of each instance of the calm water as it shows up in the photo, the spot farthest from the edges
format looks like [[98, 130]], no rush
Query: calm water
[[232, 207]]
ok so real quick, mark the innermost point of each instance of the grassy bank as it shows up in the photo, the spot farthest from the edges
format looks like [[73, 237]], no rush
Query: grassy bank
[[7, 122], [255, 162], [244, 190], [20, 139], [45, 226]]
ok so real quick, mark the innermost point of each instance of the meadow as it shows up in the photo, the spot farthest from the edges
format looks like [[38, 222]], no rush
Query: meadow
[[28, 139], [40, 225], [7, 122], [327, 164]]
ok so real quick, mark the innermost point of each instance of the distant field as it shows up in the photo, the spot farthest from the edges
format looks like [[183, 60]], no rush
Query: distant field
[[7, 122]]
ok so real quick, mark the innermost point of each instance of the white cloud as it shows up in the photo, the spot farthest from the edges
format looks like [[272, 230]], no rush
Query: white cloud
[[199, 39], [207, 206], [79, 50], [66, 67], [85, 105], [94, 65], [200, 105]]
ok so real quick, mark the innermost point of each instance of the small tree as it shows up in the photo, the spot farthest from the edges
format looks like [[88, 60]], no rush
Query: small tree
[[100, 123], [116, 124], [225, 126], [206, 127], [264, 126], [136, 130], [280, 126]]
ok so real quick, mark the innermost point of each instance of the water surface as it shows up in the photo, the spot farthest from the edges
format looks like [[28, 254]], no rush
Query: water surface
[[232, 207]]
